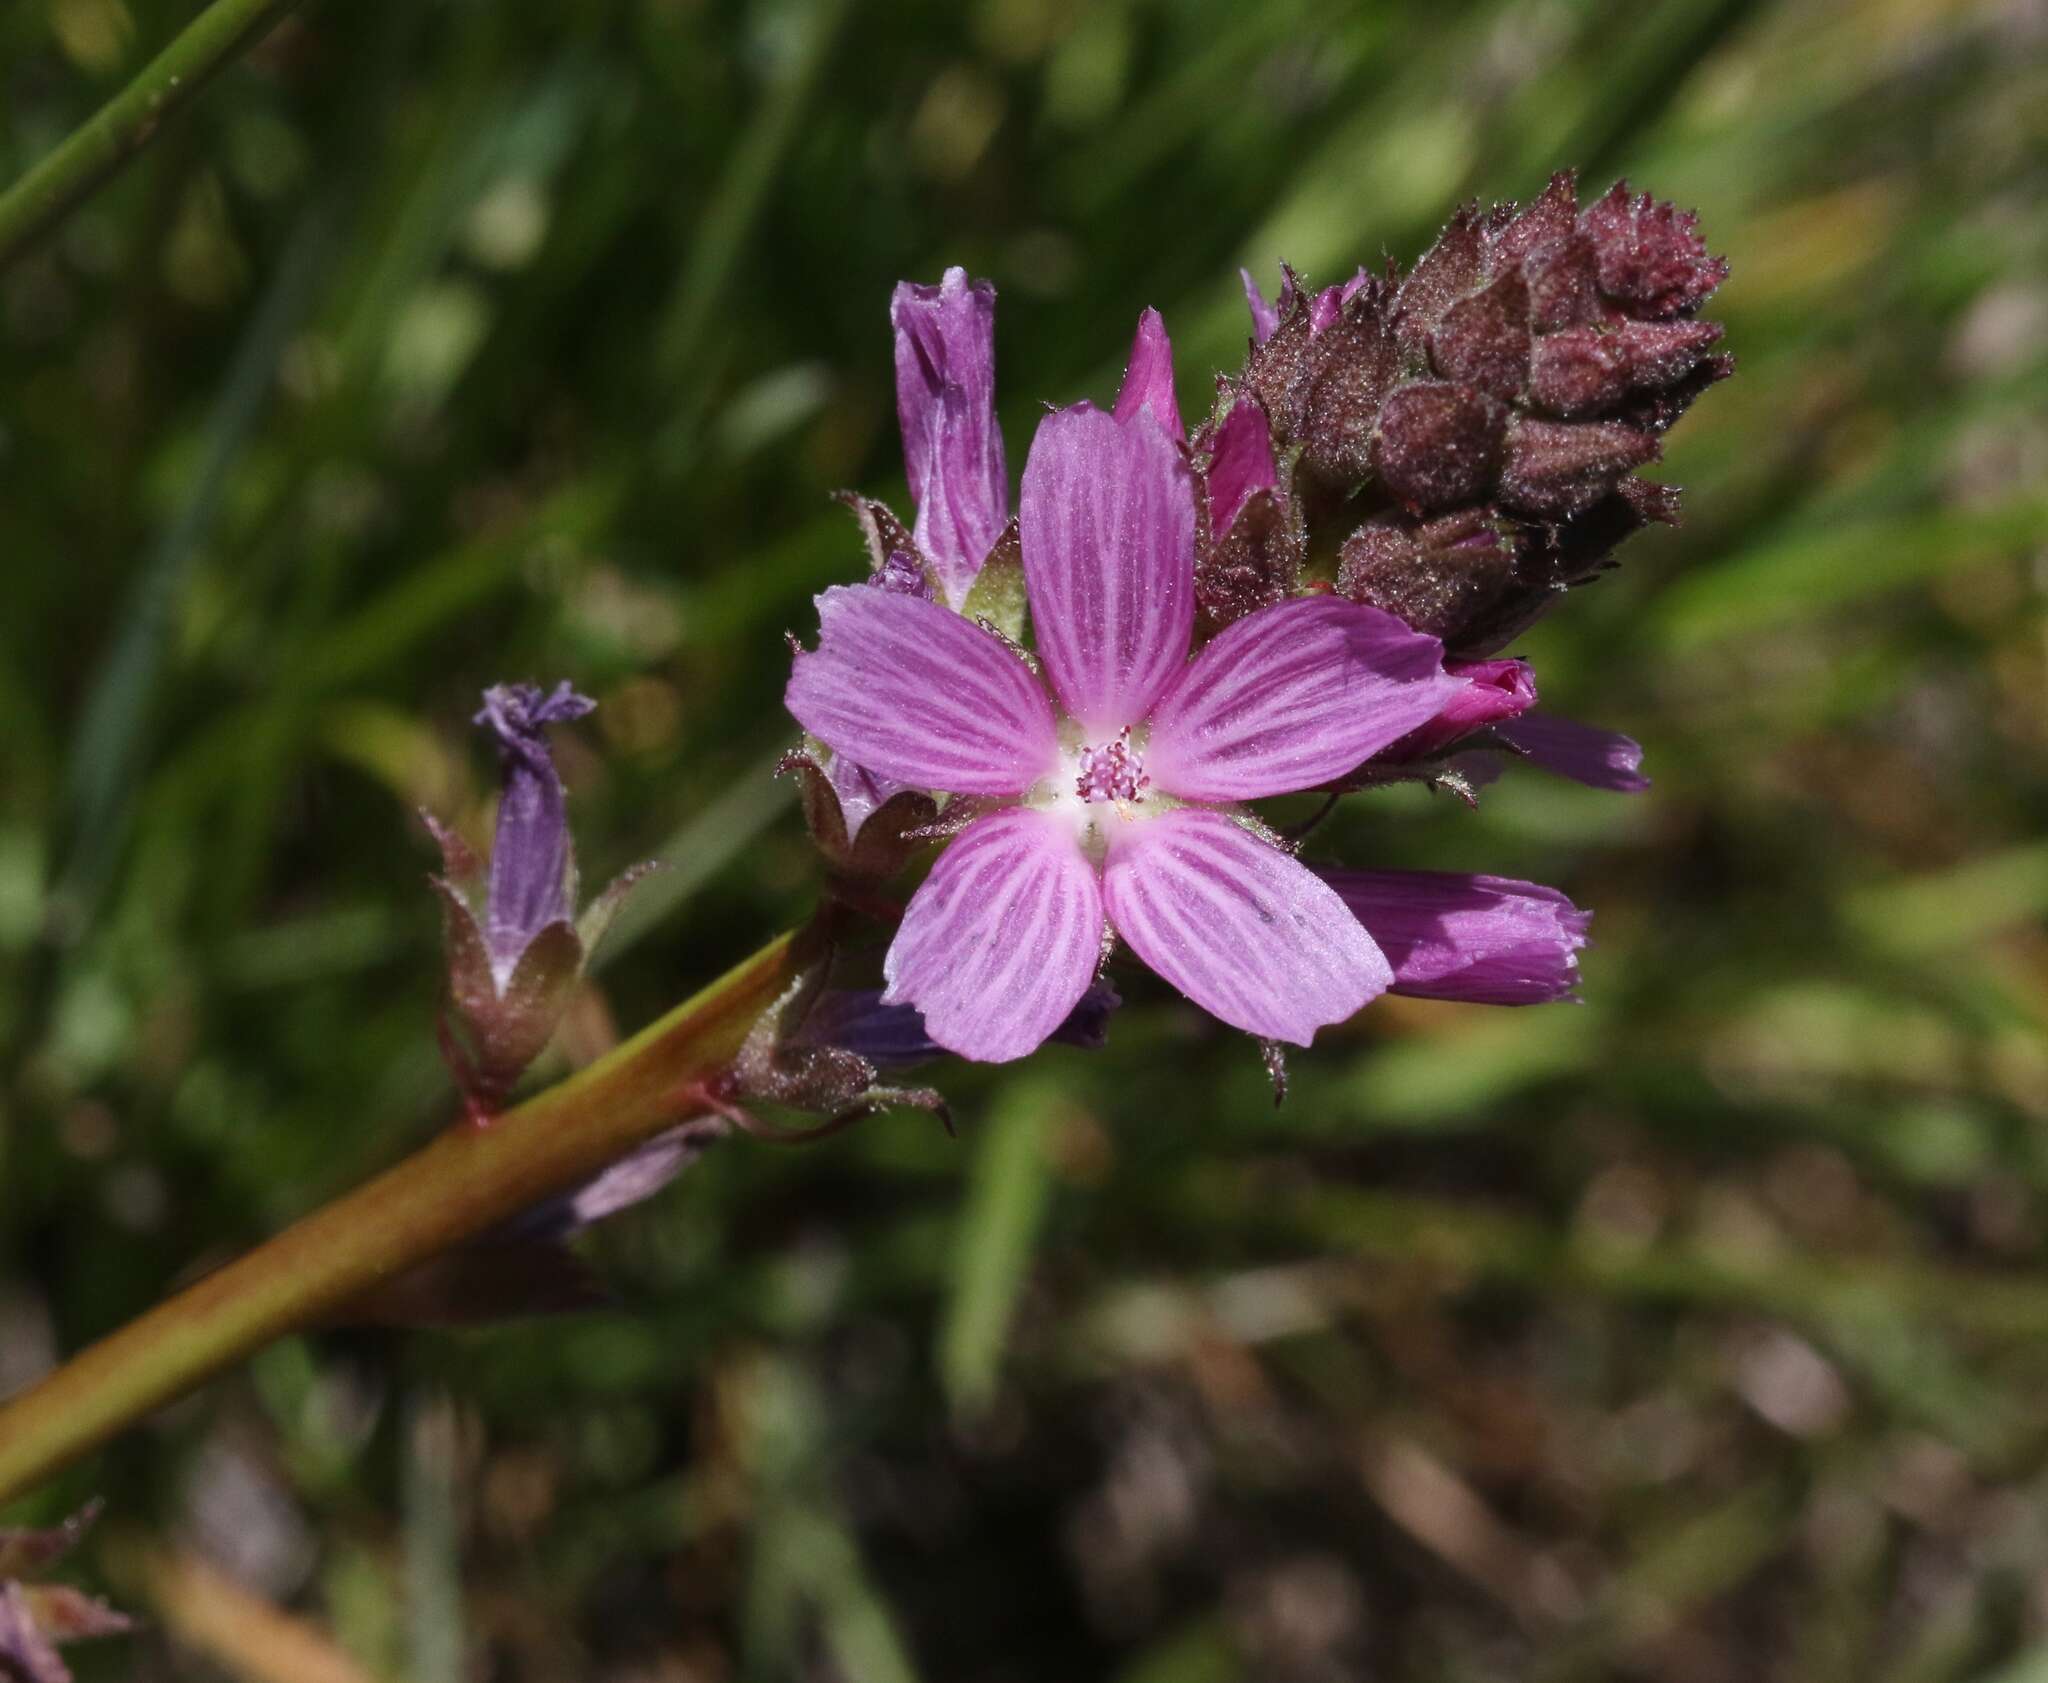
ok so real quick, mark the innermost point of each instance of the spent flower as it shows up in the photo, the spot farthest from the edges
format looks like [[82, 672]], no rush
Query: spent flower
[[514, 943], [36, 1618]]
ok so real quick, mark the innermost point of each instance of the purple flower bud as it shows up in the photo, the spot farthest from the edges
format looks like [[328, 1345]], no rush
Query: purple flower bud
[[1483, 940], [1484, 340], [1439, 444], [533, 870], [514, 944], [1650, 254], [1585, 370], [1564, 285], [1442, 576], [1324, 307], [1517, 233], [864, 824], [1250, 546], [1446, 272], [893, 559], [1556, 469], [945, 401], [1327, 305]]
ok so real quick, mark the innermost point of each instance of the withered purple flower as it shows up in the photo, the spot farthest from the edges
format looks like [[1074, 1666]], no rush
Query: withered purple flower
[[1115, 778], [1601, 759], [533, 867], [952, 447], [37, 1618], [515, 945], [1496, 699], [1484, 940], [953, 455]]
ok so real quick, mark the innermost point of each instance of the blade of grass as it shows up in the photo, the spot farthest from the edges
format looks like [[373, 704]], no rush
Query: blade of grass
[[98, 148]]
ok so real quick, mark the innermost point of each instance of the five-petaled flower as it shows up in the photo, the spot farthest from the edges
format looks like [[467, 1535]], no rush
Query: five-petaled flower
[[1114, 779]]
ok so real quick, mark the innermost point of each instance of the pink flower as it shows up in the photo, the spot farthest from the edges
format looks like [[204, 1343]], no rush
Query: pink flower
[[1116, 773]]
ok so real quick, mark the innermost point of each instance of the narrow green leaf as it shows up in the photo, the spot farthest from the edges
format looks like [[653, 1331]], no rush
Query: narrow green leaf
[[1007, 1190]]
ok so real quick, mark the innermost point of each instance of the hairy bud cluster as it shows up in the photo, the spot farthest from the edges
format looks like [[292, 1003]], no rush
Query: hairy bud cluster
[[1478, 422]]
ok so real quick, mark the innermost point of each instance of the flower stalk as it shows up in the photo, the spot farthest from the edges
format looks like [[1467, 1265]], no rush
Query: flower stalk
[[467, 1181], [94, 151]]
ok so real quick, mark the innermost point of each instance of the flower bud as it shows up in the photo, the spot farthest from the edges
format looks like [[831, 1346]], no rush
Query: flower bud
[[1555, 470], [1441, 576], [1483, 340], [1439, 444], [1651, 256], [1480, 940], [893, 559], [1584, 370]]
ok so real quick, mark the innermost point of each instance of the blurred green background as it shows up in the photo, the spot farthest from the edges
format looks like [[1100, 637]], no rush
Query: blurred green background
[[1696, 1333]]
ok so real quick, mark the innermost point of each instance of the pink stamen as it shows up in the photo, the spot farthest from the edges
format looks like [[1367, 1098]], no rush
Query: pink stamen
[[1112, 772]]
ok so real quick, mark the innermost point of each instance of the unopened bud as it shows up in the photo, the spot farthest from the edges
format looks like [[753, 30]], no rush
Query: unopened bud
[[1556, 470], [1484, 339], [1651, 255], [1440, 576], [1439, 444]]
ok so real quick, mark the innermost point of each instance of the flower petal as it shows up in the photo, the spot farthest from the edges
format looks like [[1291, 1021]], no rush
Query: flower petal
[[1492, 691], [1488, 940], [1108, 526], [1601, 759], [912, 691], [893, 1036], [1292, 696], [1240, 463], [1248, 933], [1148, 378], [945, 401], [1003, 938], [1265, 316]]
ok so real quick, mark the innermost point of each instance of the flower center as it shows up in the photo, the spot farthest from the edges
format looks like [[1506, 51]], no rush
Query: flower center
[[1112, 772]]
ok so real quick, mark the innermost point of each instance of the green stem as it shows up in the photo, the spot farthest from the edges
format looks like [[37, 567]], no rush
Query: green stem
[[468, 1180], [126, 123]]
